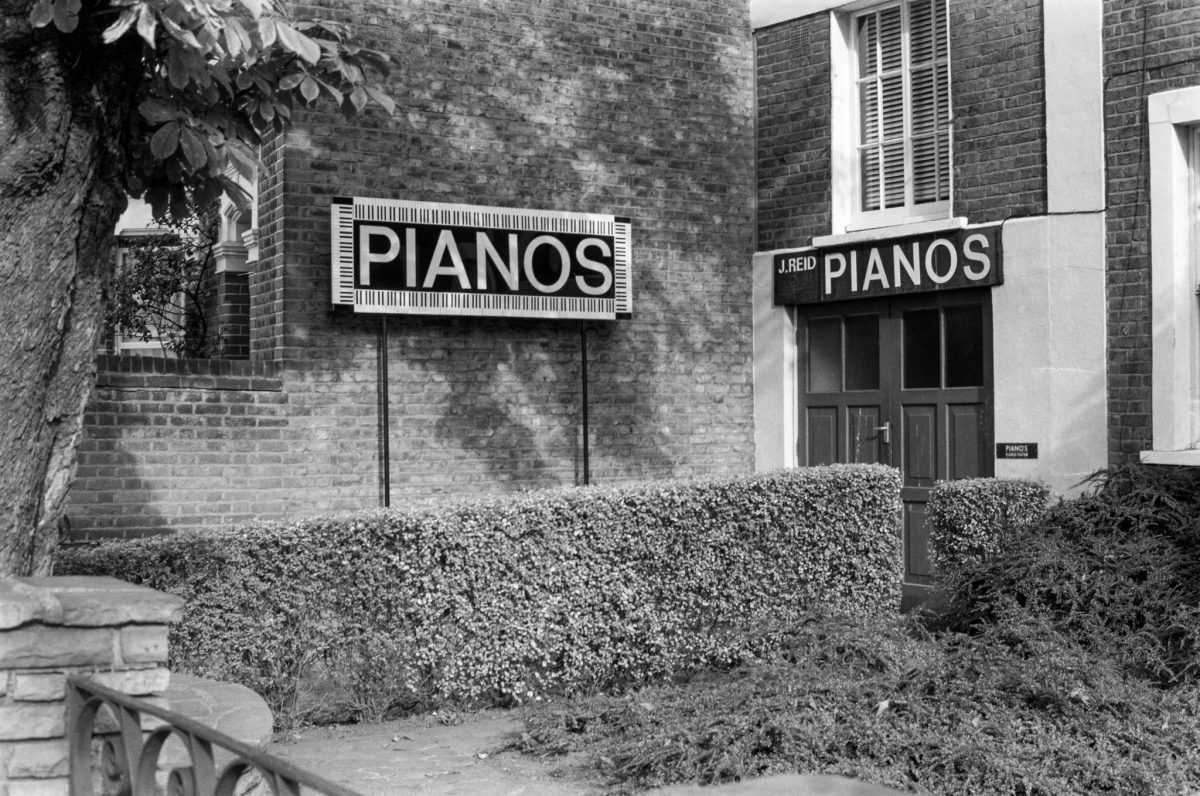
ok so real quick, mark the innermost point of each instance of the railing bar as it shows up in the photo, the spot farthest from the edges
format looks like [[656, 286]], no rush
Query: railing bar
[[258, 757]]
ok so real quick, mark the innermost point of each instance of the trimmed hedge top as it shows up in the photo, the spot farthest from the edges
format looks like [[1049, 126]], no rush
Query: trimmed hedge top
[[506, 599], [970, 519]]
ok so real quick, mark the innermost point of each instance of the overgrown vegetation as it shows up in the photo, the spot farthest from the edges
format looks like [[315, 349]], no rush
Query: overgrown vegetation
[[1067, 663], [512, 599], [163, 286]]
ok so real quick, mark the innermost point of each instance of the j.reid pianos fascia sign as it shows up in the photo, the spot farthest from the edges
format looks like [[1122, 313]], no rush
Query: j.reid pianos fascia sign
[[968, 257], [425, 258]]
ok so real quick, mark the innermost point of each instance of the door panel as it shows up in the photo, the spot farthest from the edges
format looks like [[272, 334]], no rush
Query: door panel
[[967, 450], [916, 544], [822, 435], [918, 441]]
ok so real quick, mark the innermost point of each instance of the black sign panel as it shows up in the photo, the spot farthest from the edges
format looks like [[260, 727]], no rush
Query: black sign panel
[[949, 260], [1016, 450], [425, 258]]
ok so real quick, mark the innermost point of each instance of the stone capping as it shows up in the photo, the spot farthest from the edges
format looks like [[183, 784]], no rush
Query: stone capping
[[151, 372], [83, 601]]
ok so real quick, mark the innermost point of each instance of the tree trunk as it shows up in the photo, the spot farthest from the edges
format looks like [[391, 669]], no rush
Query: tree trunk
[[59, 203]]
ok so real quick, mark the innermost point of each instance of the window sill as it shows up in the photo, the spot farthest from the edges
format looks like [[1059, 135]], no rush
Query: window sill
[[893, 231], [1185, 457]]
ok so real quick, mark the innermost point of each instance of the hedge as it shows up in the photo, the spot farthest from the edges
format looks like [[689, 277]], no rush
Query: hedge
[[968, 519], [507, 599]]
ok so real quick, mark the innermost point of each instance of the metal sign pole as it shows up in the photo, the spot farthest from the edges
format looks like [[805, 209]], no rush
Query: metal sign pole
[[385, 451], [583, 375]]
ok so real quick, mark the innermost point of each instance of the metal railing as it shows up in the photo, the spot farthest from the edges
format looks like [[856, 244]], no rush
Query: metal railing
[[129, 759]]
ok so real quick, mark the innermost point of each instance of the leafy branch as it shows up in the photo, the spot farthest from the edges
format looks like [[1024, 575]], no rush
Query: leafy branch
[[217, 77]]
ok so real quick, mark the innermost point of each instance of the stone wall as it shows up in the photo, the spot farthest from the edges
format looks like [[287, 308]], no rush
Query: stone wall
[[51, 627], [638, 108]]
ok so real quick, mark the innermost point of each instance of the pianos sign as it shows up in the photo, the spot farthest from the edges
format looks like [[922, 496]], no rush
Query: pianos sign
[[962, 258], [423, 258]]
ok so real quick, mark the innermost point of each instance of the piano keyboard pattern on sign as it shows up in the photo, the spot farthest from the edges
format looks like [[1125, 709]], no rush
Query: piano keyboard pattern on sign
[[341, 232], [622, 272], [402, 212], [430, 302]]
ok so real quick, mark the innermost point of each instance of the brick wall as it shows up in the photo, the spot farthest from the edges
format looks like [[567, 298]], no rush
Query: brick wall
[[999, 109], [1147, 48], [998, 98], [794, 177], [634, 108]]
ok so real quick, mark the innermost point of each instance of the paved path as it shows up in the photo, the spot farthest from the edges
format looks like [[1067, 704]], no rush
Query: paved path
[[425, 755], [422, 755]]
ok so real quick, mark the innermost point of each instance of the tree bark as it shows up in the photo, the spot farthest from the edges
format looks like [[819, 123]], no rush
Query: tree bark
[[60, 136]]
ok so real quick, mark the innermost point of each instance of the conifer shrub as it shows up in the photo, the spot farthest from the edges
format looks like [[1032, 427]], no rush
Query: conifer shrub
[[509, 599], [1116, 570]]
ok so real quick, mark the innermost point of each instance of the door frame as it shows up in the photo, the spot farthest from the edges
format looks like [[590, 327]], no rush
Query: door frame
[[892, 391]]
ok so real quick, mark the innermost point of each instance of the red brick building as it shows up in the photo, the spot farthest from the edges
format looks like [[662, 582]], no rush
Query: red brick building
[[930, 282], [641, 110], [952, 235]]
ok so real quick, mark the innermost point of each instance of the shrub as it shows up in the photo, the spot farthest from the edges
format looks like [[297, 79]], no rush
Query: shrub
[[881, 701], [968, 519], [503, 600], [1116, 570]]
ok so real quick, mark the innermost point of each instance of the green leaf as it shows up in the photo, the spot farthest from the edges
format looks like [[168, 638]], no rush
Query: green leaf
[[332, 91], [254, 7], [157, 111], [289, 82], [147, 24], [41, 14], [233, 45], [193, 149], [241, 156], [309, 89], [165, 141], [381, 97], [296, 42], [66, 14], [180, 33], [267, 32], [359, 98], [119, 28]]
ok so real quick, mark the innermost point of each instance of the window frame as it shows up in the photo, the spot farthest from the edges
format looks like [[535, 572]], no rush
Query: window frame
[[846, 130], [1174, 143]]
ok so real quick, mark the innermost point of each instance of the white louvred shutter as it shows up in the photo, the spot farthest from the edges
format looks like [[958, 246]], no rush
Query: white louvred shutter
[[904, 107]]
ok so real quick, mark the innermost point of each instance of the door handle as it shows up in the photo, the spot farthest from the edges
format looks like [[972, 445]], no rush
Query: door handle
[[886, 434]]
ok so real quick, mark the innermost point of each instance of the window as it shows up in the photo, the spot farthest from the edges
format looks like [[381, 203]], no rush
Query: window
[[1174, 118], [895, 82]]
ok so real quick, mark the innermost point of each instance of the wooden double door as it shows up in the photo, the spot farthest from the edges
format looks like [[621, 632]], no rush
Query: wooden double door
[[904, 381]]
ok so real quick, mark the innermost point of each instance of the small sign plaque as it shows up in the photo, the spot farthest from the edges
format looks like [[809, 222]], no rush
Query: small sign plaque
[[1016, 450]]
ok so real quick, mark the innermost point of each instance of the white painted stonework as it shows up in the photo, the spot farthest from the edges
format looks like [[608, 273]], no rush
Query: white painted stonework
[[1048, 331], [775, 384]]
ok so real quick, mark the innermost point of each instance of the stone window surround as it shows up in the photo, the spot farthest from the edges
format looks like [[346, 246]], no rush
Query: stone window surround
[[1172, 117]]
